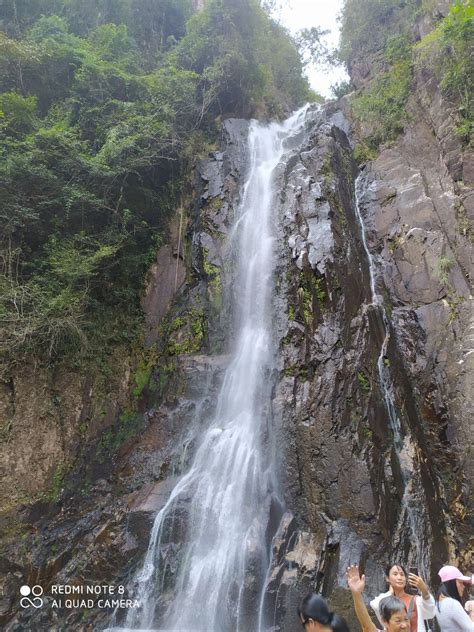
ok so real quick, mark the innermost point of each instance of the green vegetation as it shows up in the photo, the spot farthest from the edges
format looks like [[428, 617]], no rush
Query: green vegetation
[[111, 440], [445, 265], [363, 153], [15, 528], [142, 375], [363, 381], [296, 370], [319, 290], [448, 50], [166, 371], [466, 225], [104, 106], [382, 106], [5, 429], [186, 333], [382, 30], [305, 301], [214, 282], [368, 25], [395, 242], [311, 288], [326, 171], [340, 89], [367, 433], [455, 303], [57, 480]]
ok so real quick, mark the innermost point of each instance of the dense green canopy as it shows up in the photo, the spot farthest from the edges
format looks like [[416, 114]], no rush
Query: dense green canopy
[[103, 104]]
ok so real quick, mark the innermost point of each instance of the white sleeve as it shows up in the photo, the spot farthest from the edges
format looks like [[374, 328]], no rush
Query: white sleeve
[[426, 608], [374, 604], [459, 616]]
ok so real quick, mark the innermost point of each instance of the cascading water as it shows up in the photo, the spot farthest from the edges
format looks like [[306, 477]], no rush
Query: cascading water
[[377, 302], [231, 484], [402, 446]]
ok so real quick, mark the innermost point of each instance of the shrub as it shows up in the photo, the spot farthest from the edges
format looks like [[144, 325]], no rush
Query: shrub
[[448, 50]]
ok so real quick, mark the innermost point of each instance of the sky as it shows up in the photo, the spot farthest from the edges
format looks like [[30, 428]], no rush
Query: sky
[[300, 14]]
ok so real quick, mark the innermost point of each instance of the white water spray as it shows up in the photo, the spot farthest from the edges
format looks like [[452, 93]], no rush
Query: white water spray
[[227, 492]]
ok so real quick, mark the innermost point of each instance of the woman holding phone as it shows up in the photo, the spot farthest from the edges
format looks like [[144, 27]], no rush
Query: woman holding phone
[[392, 610], [419, 608]]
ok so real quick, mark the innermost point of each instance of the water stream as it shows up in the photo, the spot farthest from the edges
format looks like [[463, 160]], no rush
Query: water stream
[[225, 496], [402, 445]]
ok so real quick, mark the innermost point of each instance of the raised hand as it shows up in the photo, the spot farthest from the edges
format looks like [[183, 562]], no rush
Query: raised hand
[[417, 582], [355, 582]]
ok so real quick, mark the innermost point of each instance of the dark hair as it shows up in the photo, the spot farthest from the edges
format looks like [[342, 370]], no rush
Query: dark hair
[[450, 589], [389, 567], [388, 606], [314, 607]]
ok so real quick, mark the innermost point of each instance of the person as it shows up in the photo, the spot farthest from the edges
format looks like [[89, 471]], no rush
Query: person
[[315, 616], [394, 614], [450, 614], [392, 610], [420, 608]]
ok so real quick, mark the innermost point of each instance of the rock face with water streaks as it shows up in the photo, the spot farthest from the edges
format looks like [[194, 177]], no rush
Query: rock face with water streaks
[[352, 492], [343, 472]]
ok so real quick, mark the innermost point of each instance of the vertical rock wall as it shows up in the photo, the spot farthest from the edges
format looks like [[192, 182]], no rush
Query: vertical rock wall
[[343, 475]]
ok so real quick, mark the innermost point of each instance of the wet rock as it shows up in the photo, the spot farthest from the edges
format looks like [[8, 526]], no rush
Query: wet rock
[[144, 504], [165, 277], [357, 484]]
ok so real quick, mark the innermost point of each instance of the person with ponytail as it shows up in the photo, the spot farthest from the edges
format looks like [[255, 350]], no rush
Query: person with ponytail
[[315, 616], [450, 614]]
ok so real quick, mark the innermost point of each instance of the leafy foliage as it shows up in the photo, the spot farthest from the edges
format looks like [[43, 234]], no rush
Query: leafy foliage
[[101, 103], [341, 89], [383, 30], [367, 25], [382, 105], [449, 50]]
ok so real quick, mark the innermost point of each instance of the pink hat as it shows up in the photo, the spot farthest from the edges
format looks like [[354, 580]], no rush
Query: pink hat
[[451, 572]]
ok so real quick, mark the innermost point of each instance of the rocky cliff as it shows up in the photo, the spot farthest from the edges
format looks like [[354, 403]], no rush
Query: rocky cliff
[[373, 399], [355, 491]]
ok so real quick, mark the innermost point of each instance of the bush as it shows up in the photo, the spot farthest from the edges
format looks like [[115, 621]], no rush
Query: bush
[[101, 104], [448, 49], [340, 89], [367, 25], [382, 106]]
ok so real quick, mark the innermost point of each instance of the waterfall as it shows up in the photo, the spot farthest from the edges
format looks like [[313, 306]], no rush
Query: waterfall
[[230, 486], [378, 303], [403, 446]]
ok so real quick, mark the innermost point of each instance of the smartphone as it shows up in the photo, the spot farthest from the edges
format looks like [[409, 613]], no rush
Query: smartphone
[[411, 590]]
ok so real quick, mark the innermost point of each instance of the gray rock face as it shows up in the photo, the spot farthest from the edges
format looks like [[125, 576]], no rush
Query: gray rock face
[[165, 278], [426, 260], [345, 479], [355, 492]]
